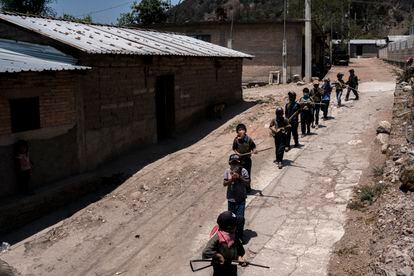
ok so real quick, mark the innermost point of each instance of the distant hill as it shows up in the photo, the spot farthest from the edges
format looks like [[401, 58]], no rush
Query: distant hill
[[374, 18]]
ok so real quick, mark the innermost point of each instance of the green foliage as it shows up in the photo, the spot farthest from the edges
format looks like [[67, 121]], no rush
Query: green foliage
[[147, 12], [35, 7], [347, 18], [87, 19]]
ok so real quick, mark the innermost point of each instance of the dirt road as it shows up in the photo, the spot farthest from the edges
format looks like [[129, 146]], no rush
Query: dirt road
[[160, 218]]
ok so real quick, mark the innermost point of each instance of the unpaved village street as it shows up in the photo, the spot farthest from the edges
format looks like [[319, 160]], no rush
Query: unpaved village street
[[161, 217]]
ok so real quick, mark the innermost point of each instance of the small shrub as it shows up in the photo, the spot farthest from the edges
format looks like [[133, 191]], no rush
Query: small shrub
[[377, 171]]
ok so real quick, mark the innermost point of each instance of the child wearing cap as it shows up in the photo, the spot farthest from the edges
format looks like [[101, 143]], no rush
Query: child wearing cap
[[244, 146], [223, 246], [236, 179]]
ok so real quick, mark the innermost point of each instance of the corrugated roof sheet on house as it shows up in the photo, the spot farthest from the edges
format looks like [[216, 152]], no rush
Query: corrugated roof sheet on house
[[98, 39], [23, 57], [377, 42], [393, 38]]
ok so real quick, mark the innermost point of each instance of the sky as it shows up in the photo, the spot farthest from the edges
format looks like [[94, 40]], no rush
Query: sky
[[102, 11]]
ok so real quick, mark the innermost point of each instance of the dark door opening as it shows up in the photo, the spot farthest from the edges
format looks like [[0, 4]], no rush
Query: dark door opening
[[165, 106], [359, 51]]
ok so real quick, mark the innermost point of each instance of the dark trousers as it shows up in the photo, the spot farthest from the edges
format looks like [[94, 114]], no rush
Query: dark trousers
[[23, 181], [238, 209], [305, 121], [293, 131], [280, 143], [227, 269], [325, 108], [246, 162], [339, 96], [354, 90], [316, 111]]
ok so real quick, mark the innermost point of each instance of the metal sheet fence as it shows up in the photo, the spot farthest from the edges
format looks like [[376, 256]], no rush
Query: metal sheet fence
[[398, 51]]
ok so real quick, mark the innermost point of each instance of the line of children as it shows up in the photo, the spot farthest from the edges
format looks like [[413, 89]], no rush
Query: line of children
[[226, 239]]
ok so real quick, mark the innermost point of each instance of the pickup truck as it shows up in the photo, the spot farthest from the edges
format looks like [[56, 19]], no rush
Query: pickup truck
[[340, 58]]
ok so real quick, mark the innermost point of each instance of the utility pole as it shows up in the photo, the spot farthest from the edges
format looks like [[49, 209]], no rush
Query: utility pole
[[308, 41], [284, 50]]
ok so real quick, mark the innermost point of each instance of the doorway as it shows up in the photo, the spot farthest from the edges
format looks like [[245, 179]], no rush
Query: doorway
[[165, 106], [359, 51]]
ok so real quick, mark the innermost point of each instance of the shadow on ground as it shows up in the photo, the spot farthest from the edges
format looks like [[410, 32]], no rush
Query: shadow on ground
[[110, 176]]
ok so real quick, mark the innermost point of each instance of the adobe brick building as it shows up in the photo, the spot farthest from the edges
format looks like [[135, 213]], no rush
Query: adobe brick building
[[38, 104], [142, 87], [263, 40]]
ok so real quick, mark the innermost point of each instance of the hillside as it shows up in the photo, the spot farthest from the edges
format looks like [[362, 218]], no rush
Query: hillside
[[367, 18]]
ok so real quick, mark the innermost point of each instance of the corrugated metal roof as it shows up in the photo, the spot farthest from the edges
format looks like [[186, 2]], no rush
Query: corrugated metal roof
[[393, 38], [22, 57], [98, 39], [378, 42]]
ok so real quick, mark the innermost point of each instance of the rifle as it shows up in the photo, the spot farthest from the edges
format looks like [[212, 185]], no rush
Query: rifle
[[210, 261], [248, 153], [347, 86]]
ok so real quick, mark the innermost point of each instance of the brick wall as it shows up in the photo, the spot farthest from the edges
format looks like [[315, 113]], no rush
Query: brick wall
[[264, 41], [53, 147], [116, 103], [5, 120], [119, 98], [55, 92]]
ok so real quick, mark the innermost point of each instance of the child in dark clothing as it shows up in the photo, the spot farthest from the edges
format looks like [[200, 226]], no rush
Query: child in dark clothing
[[23, 167], [236, 179], [278, 127], [223, 246], [244, 146]]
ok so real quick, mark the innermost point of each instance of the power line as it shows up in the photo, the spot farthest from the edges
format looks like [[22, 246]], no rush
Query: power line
[[106, 9]]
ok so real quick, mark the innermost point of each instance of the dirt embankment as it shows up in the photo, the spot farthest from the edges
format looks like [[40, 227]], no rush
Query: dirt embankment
[[379, 237]]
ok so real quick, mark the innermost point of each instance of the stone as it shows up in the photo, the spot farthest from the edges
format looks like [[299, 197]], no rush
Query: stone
[[384, 127], [145, 187], [400, 161], [407, 88], [300, 83], [7, 270], [407, 178], [383, 138], [384, 148]]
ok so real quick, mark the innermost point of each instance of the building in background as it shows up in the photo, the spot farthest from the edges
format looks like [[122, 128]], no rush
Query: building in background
[[365, 48], [263, 40]]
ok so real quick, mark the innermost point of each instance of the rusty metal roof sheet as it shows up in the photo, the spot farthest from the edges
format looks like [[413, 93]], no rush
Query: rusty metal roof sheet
[[23, 57], [100, 39]]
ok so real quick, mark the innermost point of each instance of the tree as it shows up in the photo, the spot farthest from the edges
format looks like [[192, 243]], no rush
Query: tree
[[35, 7], [87, 19], [147, 12]]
